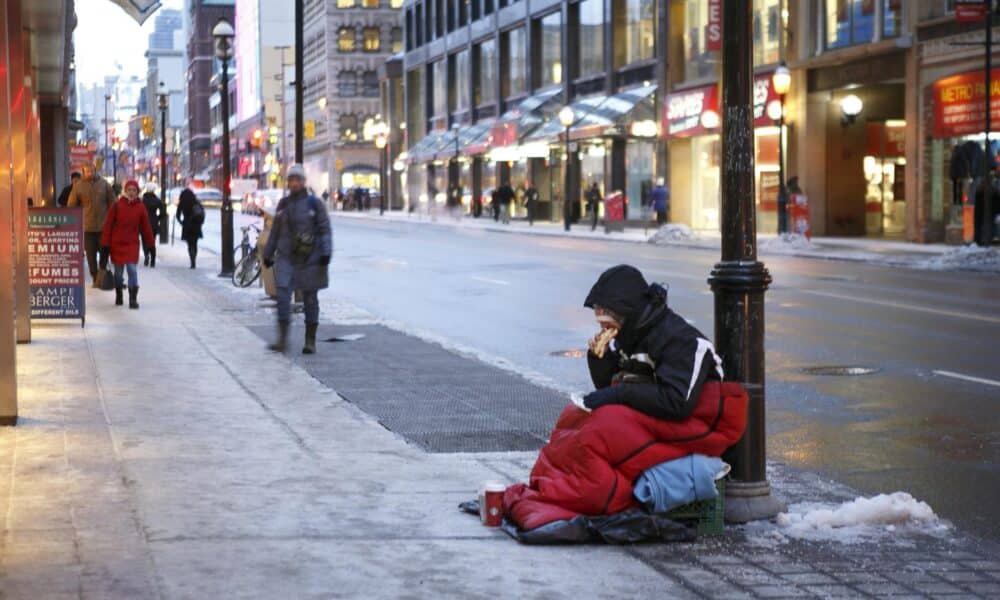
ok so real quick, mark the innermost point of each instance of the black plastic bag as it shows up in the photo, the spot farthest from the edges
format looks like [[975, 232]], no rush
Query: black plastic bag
[[632, 526]]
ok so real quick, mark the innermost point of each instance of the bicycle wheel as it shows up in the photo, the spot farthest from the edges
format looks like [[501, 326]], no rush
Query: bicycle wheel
[[247, 271]]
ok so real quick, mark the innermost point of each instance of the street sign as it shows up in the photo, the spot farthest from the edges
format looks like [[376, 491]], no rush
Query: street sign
[[55, 263], [309, 129], [970, 11]]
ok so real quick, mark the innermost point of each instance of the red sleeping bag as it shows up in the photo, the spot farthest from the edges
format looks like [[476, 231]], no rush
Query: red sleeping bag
[[592, 459]]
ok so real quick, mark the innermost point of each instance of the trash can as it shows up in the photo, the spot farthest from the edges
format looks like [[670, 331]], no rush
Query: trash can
[[614, 212], [266, 273], [798, 215]]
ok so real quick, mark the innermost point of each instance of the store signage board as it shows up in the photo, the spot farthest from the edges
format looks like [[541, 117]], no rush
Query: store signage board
[[55, 263], [763, 93], [970, 11], [713, 29], [683, 110], [958, 104]]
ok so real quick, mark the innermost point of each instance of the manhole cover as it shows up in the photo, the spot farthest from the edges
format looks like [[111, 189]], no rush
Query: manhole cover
[[350, 337], [569, 353], [834, 370]]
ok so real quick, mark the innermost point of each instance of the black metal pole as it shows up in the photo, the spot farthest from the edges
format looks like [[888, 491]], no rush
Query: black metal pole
[[782, 190], [299, 122], [106, 128], [739, 279], [164, 222], [227, 203], [986, 223], [567, 179]]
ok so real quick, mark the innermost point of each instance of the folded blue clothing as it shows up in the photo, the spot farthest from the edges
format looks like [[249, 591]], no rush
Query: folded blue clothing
[[678, 482]]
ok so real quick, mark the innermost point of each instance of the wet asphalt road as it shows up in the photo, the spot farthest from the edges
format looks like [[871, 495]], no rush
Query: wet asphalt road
[[913, 426]]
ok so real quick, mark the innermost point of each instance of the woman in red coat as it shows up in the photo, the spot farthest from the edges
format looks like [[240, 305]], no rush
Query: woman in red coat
[[127, 220]]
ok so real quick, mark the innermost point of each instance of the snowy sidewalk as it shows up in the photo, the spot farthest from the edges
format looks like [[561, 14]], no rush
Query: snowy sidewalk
[[936, 257], [164, 453]]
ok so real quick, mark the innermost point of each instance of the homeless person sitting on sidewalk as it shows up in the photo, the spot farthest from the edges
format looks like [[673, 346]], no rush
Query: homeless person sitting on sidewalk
[[660, 396]]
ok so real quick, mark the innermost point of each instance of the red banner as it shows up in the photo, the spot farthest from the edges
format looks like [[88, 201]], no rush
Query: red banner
[[970, 11], [886, 140], [682, 114], [763, 94], [959, 104], [80, 155], [713, 30]]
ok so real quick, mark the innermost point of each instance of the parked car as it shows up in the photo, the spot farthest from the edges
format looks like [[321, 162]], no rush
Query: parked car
[[208, 196]]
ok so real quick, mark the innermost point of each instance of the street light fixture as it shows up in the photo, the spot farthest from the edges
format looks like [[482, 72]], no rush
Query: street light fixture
[[850, 107], [163, 100], [781, 81], [223, 34], [566, 118]]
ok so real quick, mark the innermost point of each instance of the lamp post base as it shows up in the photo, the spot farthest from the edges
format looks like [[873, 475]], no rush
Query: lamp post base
[[748, 501]]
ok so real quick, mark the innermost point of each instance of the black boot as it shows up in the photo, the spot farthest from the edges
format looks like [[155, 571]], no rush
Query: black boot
[[310, 346], [281, 342], [145, 260], [191, 256], [118, 295], [133, 297], [152, 258]]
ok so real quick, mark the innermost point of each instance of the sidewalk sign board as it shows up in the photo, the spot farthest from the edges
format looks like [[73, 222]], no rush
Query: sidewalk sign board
[[798, 215], [614, 211], [55, 263], [970, 11]]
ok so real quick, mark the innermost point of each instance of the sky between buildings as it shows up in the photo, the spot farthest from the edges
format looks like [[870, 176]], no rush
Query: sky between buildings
[[106, 37]]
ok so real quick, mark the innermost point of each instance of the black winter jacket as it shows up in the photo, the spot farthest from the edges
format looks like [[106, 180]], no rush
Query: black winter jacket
[[658, 363]]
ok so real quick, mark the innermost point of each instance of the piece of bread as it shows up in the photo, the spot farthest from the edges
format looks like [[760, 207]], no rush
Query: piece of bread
[[600, 343]]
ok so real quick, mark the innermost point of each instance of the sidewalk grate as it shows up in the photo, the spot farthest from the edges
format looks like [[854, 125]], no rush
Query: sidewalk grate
[[439, 400]]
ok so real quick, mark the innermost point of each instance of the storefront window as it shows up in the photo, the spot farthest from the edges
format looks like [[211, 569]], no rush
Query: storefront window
[[766, 32], [516, 64], [439, 81], [593, 166], [551, 59], [637, 30], [699, 62], [639, 156], [592, 34], [462, 75], [892, 18], [488, 72], [705, 183], [849, 22]]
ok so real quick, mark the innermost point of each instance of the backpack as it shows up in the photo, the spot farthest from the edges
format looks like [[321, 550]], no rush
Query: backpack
[[198, 213]]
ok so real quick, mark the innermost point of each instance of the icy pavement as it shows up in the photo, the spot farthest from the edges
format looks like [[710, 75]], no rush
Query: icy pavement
[[937, 257]]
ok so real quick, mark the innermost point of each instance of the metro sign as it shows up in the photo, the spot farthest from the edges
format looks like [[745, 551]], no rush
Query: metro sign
[[970, 11]]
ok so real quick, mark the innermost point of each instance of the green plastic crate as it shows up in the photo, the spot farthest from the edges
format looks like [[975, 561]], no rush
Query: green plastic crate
[[709, 514]]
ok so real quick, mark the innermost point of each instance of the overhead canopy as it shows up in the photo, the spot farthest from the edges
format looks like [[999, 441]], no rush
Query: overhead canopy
[[140, 10], [531, 112], [425, 149], [602, 115]]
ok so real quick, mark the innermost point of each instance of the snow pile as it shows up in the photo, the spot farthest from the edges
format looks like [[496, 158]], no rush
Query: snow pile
[[672, 233], [787, 242], [859, 519], [967, 257]]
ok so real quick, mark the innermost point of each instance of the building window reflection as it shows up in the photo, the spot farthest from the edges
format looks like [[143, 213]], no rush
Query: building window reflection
[[636, 27], [515, 62], [346, 39], [348, 126], [592, 35], [849, 22], [550, 61], [487, 87]]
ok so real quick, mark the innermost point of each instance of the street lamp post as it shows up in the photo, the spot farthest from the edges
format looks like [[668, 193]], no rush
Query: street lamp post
[[107, 126], [739, 279], [380, 143], [163, 99], [223, 34], [781, 81], [566, 118], [455, 173]]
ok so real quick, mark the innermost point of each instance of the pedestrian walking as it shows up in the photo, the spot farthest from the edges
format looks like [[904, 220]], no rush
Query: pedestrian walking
[[127, 221], [531, 202], [64, 194], [567, 213], [495, 204], [300, 247], [155, 211], [95, 196], [659, 198], [593, 198], [505, 195], [191, 216]]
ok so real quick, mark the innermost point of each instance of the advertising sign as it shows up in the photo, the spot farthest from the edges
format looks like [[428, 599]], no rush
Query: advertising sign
[[763, 94], [55, 263], [970, 11], [79, 155], [959, 104], [713, 30], [683, 111]]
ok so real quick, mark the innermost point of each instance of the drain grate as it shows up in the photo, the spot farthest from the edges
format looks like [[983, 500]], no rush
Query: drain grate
[[849, 371], [575, 353]]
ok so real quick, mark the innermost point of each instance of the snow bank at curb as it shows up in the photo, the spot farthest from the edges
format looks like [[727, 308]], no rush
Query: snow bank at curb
[[855, 521], [787, 242], [672, 233], [967, 257]]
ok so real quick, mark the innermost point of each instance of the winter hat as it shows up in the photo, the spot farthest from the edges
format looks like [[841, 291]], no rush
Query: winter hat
[[621, 289], [132, 183], [296, 170]]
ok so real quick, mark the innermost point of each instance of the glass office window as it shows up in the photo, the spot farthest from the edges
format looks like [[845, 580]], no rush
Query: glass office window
[[638, 29], [348, 128], [462, 75], [699, 62], [396, 37], [551, 59], [849, 22], [347, 84], [345, 3], [592, 37], [488, 72], [439, 85], [372, 39], [766, 32], [892, 18], [345, 39], [517, 61]]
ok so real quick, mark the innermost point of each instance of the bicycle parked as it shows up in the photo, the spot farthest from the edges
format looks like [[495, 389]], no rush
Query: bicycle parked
[[247, 258]]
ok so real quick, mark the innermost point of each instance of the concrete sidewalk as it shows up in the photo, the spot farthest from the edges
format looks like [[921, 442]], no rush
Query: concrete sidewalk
[[164, 453], [888, 252]]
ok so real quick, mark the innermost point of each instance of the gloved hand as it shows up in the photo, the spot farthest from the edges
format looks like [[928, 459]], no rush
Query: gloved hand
[[105, 250], [600, 397], [268, 262], [324, 260]]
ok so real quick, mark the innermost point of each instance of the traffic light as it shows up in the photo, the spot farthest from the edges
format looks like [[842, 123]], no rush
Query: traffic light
[[257, 138]]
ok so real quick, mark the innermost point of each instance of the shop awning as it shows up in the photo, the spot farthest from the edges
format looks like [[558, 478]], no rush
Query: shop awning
[[598, 116], [140, 10], [424, 150], [529, 113], [477, 138]]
